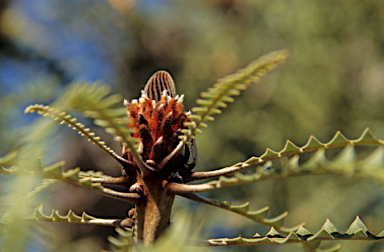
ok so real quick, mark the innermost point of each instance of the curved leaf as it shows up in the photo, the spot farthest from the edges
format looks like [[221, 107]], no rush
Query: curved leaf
[[72, 122]]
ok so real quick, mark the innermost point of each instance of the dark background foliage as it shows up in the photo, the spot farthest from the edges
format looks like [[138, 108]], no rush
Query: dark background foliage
[[333, 80]]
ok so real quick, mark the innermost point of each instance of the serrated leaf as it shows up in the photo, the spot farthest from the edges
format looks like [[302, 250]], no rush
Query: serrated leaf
[[328, 232]]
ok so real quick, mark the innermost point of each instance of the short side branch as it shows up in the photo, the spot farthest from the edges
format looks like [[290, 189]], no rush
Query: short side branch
[[120, 181], [133, 198], [217, 173], [171, 155], [176, 188]]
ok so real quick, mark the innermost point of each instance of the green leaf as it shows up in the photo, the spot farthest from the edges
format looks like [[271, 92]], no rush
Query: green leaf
[[221, 93], [356, 231]]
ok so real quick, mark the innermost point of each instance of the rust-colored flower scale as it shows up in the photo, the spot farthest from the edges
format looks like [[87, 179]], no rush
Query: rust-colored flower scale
[[156, 118]]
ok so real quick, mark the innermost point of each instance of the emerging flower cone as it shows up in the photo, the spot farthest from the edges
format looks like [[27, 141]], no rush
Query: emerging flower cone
[[157, 118]]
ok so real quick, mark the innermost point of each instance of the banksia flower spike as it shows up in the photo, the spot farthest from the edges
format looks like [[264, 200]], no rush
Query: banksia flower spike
[[157, 119]]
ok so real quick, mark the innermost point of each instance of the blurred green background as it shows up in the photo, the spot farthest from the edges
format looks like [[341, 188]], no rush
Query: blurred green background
[[333, 80]]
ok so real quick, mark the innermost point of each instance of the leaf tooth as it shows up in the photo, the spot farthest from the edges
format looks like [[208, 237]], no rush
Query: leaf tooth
[[194, 117], [368, 137], [241, 86], [233, 92], [226, 203], [269, 153], [328, 230], [54, 169], [57, 217], [39, 214], [291, 229], [203, 102], [72, 174], [241, 208], [272, 232], [227, 99], [313, 143], [259, 214], [289, 146], [86, 216], [190, 125], [209, 95], [209, 118], [214, 111], [290, 237], [303, 232], [252, 160], [199, 110], [338, 139], [72, 217], [254, 79], [277, 221]]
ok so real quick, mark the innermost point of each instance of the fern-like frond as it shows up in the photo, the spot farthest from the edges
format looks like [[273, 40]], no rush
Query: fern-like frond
[[64, 118], [339, 140], [231, 85], [259, 216], [356, 231], [76, 177], [93, 101]]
